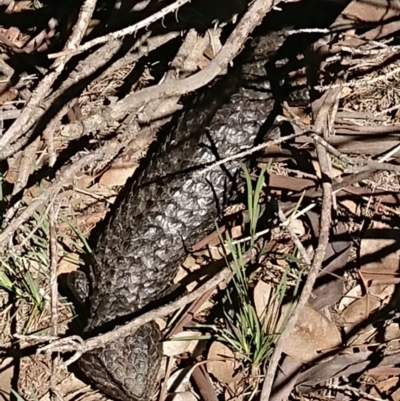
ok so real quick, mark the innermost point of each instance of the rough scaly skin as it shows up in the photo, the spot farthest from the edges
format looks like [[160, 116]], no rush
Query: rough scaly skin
[[162, 213]]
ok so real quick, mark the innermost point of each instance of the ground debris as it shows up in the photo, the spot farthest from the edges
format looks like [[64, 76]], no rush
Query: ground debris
[[78, 110]]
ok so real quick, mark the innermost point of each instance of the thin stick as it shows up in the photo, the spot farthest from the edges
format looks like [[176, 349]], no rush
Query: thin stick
[[361, 82], [68, 345], [325, 221], [249, 152], [74, 343], [357, 392], [28, 116], [253, 17], [53, 297], [27, 160], [389, 154], [66, 177], [123, 32], [84, 69], [285, 222]]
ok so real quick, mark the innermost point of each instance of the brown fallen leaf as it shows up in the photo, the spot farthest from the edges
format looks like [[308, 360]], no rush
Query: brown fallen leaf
[[328, 288], [182, 396], [379, 257], [262, 297], [286, 378], [376, 11], [350, 297], [347, 365], [7, 94], [339, 365], [379, 249], [386, 386], [117, 176], [71, 386], [361, 310], [312, 335], [68, 265], [174, 346], [392, 332], [84, 181], [351, 206], [222, 363], [358, 311], [396, 395], [6, 375]]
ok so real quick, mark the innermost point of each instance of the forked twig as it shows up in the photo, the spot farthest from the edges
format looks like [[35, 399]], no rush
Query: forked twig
[[251, 19], [123, 32], [28, 116]]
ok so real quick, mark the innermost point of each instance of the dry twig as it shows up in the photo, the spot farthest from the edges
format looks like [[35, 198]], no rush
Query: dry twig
[[74, 343], [362, 82], [123, 32], [27, 160], [66, 177], [28, 117], [67, 344], [54, 297], [294, 238], [320, 123], [253, 17], [248, 152], [357, 392], [84, 69]]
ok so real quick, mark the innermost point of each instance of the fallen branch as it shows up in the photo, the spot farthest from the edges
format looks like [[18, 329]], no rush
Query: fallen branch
[[53, 257], [233, 45], [65, 178], [123, 32], [28, 117], [73, 343], [325, 222], [83, 70], [248, 152]]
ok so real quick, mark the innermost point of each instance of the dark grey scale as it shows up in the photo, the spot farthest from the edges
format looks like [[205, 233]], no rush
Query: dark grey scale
[[163, 212]]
